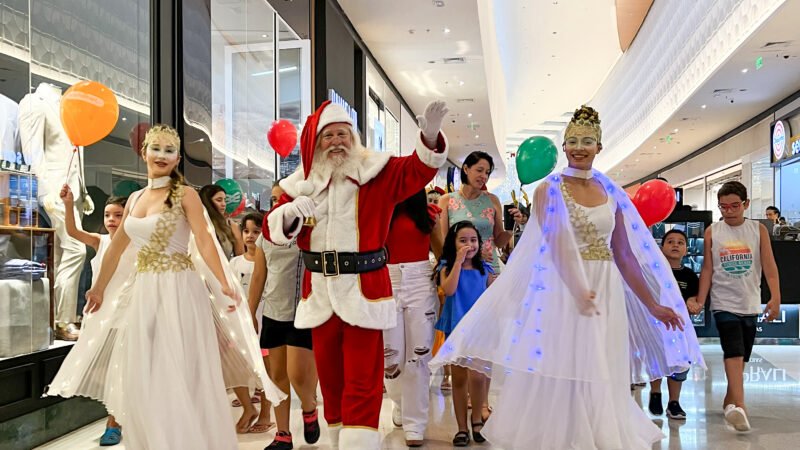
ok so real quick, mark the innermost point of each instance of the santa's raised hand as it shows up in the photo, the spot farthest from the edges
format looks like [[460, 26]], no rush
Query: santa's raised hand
[[430, 122]]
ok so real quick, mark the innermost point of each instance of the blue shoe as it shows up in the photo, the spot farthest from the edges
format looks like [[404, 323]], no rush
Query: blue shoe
[[112, 436]]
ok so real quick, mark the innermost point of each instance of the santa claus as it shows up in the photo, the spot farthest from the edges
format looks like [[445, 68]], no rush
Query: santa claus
[[338, 206]]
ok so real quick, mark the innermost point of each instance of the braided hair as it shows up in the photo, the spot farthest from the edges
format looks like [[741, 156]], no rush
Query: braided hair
[[176, 177]]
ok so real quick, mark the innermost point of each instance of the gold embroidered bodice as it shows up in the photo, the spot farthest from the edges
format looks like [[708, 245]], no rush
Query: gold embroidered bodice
[[593, 227], [162, 240]]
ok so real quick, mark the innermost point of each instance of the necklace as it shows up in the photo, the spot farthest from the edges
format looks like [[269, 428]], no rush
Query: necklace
[[158, 183], [577, 173]]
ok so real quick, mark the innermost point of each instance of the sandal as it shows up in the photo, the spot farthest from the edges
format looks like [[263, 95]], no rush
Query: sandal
[[489, 410], [261, 427], [446, 386], [461, 439], [476, 435]]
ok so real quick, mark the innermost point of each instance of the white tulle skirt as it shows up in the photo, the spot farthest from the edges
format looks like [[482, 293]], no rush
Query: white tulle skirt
[[174, 393], [538, 411]]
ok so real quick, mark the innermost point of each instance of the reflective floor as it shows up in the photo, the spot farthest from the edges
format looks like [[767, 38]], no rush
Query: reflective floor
[[773, 398]]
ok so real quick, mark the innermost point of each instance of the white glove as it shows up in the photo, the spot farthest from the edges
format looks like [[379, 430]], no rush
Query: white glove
[[300, 208], [430, 123]]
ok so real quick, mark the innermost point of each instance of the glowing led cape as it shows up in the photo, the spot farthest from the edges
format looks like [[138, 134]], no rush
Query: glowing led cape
[[514, 327], [96, 364]]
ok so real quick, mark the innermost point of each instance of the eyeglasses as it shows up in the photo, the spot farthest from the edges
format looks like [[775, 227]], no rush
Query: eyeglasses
[[729, 206]]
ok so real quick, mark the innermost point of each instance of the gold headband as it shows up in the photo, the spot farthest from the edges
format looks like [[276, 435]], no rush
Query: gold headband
[[585, 121]]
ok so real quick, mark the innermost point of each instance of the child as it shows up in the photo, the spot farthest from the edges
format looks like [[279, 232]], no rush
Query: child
[[673, 245], [243, 265], [464, 276], [112, 218], [736, 251]]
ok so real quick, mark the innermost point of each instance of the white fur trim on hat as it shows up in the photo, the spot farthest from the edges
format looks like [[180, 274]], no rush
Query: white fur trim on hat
[[333, 113]]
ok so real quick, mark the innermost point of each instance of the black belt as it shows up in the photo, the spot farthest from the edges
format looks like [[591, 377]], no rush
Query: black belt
[[333, 263]]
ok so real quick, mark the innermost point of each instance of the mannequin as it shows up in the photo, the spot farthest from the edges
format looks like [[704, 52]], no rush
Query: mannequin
[[9, 133], [47, 149]]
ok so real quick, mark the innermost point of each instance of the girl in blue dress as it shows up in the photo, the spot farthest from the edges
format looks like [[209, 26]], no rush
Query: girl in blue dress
[[464, 276]]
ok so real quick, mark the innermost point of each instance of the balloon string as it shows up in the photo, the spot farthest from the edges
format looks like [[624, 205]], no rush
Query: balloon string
[[69, 167]]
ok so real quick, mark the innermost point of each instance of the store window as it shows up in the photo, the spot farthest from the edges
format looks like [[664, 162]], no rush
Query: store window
[[714, 183], [233, 92], [790, 192], [45, 47]]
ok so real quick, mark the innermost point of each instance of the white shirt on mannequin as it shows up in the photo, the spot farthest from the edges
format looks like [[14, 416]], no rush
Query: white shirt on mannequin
[[45, 144], [9, 129]]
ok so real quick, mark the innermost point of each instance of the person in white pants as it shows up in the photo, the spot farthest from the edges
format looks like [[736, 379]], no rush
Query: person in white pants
[[407, 347]]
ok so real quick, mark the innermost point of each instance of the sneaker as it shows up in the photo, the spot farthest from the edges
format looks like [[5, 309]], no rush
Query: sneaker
[[311, 427], [283, 441], [414, 439], [737, 418], [655, 406], [112, 436], [397, 415], [674, 411]]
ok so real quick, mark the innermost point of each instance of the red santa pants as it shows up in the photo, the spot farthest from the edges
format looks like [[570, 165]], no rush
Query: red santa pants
[[350, 366]]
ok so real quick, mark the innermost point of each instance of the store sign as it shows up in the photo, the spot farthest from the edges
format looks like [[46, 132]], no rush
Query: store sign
[[779, 134], [334, 97]]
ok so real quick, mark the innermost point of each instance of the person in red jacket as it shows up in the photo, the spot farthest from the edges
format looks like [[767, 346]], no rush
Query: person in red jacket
[[338, 207]]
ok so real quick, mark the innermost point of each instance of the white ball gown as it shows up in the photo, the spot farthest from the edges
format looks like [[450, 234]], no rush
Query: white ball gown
[[564, 377], [162, 349]]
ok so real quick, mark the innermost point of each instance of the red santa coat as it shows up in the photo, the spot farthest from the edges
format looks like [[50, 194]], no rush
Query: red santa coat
[[353, 215]]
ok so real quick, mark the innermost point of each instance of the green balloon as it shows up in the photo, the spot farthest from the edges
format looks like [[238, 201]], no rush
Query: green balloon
[[125, 188], [233, 194], [536, 158]]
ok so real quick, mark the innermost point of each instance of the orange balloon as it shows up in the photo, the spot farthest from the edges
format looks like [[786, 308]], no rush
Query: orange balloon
[[89, 112]]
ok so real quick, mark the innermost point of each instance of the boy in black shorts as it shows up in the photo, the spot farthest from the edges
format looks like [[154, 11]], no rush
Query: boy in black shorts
[[673, 245], [736, 251]]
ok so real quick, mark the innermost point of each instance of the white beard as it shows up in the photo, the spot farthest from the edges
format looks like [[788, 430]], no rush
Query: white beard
[[338, 167]]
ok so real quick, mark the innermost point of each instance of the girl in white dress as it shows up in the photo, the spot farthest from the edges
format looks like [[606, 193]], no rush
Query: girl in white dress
[[176, 321], [553, 329]]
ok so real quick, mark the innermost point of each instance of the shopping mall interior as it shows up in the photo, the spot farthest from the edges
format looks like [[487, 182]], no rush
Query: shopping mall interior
[[692, 108]]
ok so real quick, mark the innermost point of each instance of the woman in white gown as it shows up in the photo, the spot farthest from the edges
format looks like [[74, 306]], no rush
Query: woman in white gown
[[553, 330], [165, 331]]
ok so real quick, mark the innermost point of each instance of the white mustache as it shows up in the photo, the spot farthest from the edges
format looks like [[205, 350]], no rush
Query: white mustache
[[338, 147]]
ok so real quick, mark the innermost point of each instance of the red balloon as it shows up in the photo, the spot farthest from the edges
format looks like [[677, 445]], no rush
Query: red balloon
[[282, 136], [136, 137], [655, 201]]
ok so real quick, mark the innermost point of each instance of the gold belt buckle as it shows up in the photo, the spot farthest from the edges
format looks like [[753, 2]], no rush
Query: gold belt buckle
[[334, 262]]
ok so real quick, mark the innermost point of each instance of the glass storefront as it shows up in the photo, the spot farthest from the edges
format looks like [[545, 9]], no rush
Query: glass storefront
[[242, 68], [231, 101], [45, 47]]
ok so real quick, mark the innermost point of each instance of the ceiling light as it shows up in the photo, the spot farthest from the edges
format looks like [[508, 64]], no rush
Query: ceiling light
[[460, 83], [744, 70], [477, 136], [263, 35], [438, 3], [469, 115], [675, 130], [124, 119], [637, 159], [704, 106], [446, 30]]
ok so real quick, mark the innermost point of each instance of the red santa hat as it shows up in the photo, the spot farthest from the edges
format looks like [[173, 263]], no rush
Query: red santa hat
[[327, 113], [438, 190]]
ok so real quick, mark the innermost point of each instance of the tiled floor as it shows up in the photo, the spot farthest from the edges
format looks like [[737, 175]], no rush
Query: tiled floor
[[773, 396]]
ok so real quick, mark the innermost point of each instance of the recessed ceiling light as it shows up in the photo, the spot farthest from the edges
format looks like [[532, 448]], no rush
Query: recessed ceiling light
[[124, 119], [446, 30], [744, 70], [477, 136], [263, 35], [675, 130], [637, 160], [704, 106], [460, 83], [469, 115]]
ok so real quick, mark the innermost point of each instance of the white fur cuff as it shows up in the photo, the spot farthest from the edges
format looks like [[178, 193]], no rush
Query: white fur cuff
[[430, 157]]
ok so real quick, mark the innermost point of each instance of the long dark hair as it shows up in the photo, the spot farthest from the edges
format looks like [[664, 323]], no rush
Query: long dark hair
[[221, 227], [449, 250], [473, 159], [416, 207]]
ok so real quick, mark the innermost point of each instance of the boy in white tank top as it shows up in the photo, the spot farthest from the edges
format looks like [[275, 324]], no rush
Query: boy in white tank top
[[736, 251], [112, 218]]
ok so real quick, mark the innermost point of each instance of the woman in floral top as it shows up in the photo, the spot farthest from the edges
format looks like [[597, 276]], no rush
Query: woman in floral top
[[473, 203]]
